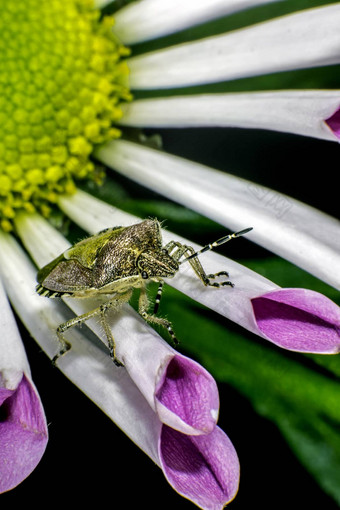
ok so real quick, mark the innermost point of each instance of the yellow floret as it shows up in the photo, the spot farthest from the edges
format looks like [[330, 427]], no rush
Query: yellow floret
[[62, 81]]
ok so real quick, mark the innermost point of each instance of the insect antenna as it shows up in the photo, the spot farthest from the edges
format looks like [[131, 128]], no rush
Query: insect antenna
[[220, 241]]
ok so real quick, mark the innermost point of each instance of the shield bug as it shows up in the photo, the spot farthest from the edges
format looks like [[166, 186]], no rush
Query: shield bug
[[113, 263]]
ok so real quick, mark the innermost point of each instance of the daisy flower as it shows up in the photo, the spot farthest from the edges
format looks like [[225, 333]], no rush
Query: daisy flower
[[85, 90]]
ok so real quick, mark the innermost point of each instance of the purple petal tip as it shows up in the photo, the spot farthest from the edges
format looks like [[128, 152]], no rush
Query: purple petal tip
[[204, 469], [333, 122], [188, 392], [23, 434], [299, 320]]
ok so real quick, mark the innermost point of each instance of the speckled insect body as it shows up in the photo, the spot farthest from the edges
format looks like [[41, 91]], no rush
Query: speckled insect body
[[113, 263]]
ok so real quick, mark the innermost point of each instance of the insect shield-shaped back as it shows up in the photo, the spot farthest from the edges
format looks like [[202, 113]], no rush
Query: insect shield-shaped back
[[63, 276], [119, 258], [73, 271], [99, 261]]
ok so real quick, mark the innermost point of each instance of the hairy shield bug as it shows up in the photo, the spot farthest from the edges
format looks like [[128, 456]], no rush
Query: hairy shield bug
[[113, 263]]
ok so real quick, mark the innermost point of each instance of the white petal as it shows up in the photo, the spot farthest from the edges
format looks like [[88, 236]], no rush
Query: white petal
[[293, 230], [109, 387], [93, 215], [300, 112], [13, 360], [148, 19], [307, 39]]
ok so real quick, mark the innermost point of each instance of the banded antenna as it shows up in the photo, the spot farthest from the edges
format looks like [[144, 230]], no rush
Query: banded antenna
[[220, 241]]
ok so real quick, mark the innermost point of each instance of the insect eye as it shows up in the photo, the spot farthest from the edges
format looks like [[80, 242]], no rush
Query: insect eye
[[145, 275], [165, 251]]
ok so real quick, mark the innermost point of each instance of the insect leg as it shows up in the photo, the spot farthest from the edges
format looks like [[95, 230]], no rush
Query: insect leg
[[206, 278], [101, 311], [180, 249], [197, 267], [65, 345], [158, 296], [143, 304], [113, 303], [183, 249]]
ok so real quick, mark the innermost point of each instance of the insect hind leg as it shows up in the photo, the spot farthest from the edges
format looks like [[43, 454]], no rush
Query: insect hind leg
[[65, 346], [80, 319]]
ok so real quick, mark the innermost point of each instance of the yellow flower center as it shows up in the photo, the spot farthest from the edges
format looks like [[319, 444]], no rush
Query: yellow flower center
[[62, 79]]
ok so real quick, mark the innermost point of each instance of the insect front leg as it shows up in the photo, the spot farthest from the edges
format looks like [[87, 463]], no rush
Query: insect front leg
[[179, 248], [206, 278], [143, 305], [183, 249]]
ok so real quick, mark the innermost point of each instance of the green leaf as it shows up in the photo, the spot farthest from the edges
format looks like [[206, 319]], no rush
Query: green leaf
[[316, 443]]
